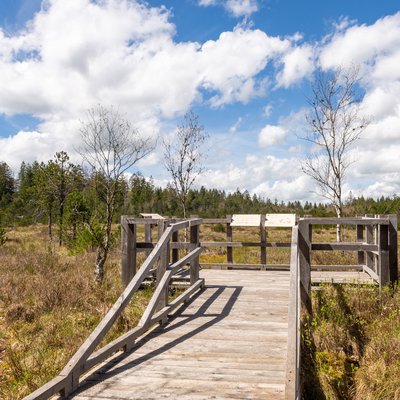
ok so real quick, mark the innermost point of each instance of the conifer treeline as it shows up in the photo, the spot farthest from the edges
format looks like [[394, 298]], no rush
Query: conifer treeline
[[64, 195]]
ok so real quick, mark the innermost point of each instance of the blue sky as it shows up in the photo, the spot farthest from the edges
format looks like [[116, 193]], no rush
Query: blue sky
[[244, 66]]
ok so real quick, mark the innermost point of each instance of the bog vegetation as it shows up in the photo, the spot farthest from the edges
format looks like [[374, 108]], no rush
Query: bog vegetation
[[51, 217]]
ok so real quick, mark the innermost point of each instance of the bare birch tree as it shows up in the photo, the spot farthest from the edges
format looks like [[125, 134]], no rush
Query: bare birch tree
[[335, 123], [110, 145], [183, 158]]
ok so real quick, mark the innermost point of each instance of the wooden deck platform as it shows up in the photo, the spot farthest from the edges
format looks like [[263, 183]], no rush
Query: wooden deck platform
[[230, 342], [350, 277]]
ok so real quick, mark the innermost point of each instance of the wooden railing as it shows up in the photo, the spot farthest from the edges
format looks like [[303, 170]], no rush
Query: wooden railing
[[376, 248], [129, 265], [299, 300], [157, 310], [375, 244]]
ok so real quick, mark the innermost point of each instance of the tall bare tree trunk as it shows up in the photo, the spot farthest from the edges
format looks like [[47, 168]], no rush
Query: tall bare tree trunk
[[101, 258], [339, 214]]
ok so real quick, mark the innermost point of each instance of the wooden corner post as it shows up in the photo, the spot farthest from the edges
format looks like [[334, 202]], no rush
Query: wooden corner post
[[128, 250], [194, 264], [305, 263], [263, 237], [360, 239], [393, 257], [229, 238], [383, 258]]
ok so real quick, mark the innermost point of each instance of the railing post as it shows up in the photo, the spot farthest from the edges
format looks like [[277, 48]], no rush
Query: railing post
[[393, 257], [148, 236], [369, 237], [175, 251], [194, 264], [128, 251], [360, 238], [161, 269], [163, 263], [383, 258], [263, 237], [305, 263], [229, 238]]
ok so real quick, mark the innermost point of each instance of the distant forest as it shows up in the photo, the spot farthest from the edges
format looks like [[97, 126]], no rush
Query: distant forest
[[69, 198]]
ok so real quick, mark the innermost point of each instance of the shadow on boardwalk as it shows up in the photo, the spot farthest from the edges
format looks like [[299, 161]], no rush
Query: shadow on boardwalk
[[104, 372]]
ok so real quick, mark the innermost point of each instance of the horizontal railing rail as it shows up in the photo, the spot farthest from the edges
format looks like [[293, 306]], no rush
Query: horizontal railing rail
[[376, 245]]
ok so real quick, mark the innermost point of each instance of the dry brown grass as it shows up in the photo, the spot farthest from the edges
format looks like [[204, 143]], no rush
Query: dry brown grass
[[352, 345], [49, 304]]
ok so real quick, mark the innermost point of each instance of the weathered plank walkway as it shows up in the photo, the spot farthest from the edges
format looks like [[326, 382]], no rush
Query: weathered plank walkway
[[230, 342]]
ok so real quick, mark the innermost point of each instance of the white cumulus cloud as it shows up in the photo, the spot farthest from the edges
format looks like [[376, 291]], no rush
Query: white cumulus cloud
[[120, 52], [297, 64], [270, 135], [237, 8]]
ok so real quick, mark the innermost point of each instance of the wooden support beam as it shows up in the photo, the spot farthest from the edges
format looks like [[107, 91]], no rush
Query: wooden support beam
[[305, 263], [383, 258], [175, 250], [345, 246], [393, 257], [128, 251], [369, 237], [263, 236], [229, 238], [347, 221], [360, 238], [194, 263]]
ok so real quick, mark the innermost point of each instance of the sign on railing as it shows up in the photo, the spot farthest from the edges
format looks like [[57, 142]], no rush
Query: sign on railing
[[271, 220]]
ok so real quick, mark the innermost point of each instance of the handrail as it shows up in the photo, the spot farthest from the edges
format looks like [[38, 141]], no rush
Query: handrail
[[81, 362], [292, 386]]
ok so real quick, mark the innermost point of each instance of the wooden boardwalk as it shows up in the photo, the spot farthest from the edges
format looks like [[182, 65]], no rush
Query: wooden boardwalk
[[239, 337], [229, 342]]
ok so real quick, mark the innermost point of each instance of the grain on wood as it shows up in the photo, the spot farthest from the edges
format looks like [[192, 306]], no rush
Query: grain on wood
[[203, 351]]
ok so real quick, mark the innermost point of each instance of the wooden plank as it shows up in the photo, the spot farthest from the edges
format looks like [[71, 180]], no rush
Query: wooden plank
[[143, 221], [245, 266], [217, 220], [347, 221], [152, 216], [198, 352], [156, 299], [51, 388], [355, 278], [280, 220], [345, 246], [244, 244], [106, 351], [371, 273], [186, 259], [354, 267]]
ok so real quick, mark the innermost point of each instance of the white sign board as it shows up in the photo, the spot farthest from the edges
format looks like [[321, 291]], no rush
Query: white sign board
[[280, 220], [246, 220], [152, 216]]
